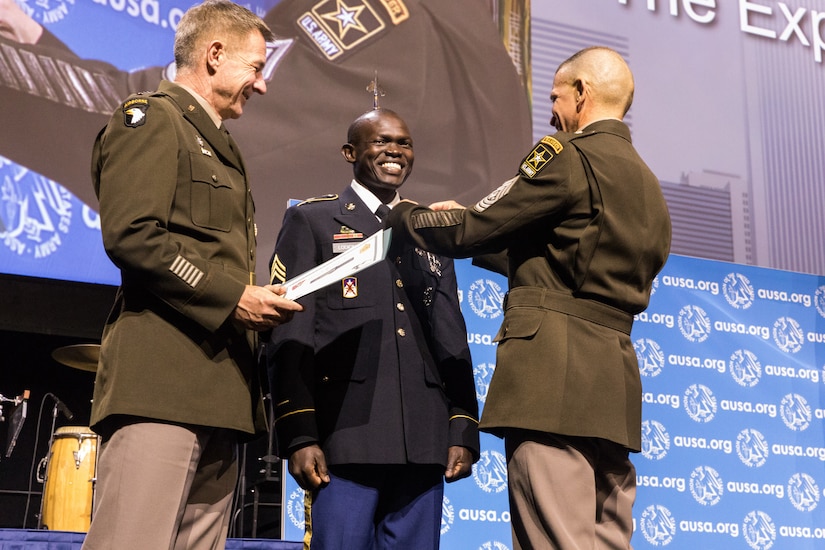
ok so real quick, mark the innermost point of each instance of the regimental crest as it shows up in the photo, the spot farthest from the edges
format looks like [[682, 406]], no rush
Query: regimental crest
[[337, 27], [349, 287], [134, 112]]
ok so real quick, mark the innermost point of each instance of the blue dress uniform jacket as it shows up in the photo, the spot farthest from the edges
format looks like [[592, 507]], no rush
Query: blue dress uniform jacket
[[177, 220], [586, 230], [376, 369]]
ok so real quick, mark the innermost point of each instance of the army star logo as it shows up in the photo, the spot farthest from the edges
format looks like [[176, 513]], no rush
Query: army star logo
[[347, 18], [536, 160], [340, 26]]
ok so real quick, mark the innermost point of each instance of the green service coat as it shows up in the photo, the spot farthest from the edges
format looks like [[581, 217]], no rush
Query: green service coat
[[177, 220], [586, 230]]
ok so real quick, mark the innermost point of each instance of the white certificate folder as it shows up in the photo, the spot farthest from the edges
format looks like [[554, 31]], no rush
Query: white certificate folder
[[368, 252]]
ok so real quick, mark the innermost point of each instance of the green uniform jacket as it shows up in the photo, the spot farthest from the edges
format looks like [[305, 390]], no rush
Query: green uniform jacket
[[586, 230], [177, 219]]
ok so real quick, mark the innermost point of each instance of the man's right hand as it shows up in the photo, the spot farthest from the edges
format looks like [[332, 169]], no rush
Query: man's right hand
[[264, 307], [308, 466]]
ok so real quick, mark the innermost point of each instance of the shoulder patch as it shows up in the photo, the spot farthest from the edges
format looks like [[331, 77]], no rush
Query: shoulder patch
[[553, 142], [134, 111], [541, 155], [322, 198]]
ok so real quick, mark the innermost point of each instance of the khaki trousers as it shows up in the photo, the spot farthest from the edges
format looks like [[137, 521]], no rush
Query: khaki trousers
[[569, 493], [163, 486]]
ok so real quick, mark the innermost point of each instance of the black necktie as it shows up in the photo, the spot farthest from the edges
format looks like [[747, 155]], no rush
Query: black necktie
[[382, 211], [229, 139]]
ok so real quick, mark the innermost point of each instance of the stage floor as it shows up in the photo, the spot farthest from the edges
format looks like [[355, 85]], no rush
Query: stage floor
[[34, 539]]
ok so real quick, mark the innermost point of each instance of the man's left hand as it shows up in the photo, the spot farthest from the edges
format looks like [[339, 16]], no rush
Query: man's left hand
[[459, 463]]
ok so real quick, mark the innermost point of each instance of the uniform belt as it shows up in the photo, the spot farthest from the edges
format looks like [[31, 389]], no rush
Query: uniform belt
[[562, 302]]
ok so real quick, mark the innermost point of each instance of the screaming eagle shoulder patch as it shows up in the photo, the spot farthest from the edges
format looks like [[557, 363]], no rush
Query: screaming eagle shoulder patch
[[134, 112], [541, 155]]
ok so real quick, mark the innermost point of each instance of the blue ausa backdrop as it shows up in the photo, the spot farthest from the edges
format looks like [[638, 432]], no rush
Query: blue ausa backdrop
[[732, 360]]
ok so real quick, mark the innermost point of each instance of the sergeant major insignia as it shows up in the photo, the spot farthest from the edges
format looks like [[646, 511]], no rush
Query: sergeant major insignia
[[134, 112], [540, 156]]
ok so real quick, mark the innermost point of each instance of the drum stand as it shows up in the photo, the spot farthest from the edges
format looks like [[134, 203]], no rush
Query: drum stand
[[43, 465]]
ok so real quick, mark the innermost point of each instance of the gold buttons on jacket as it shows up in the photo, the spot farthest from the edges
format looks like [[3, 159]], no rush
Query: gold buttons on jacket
[[401, 332], [399, 306], [399, 283]]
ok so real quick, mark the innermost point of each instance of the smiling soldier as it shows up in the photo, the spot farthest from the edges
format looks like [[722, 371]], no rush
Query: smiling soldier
[[373, 385]]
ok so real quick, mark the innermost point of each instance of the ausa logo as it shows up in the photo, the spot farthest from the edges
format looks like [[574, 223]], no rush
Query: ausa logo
[[658, 525], [483, 374], [447, 515], [752, 448], [795, 412], [803, 492], [490, 472], [35, 212], [485, 298], [788, 335], [295, 510], [655, 440], [700, 403], [819, 301], [745, 368], [738, 291], [650, 356], [694, 324], [759, 530], [706, 486]]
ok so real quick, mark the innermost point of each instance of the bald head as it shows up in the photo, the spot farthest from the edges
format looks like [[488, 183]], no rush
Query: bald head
[[367, 120], [606, 76]]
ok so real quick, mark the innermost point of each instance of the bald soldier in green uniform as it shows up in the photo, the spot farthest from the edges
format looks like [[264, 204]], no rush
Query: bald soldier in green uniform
[[586, 229]]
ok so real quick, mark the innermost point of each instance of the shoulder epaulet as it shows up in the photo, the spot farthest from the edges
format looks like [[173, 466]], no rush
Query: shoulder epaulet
[[330, 197]]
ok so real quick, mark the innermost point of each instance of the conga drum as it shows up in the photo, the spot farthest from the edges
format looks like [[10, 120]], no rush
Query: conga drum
[[69, 485]]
